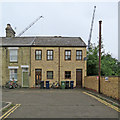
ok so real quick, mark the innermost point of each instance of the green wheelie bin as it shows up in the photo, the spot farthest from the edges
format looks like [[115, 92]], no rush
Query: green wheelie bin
[[63, 84]]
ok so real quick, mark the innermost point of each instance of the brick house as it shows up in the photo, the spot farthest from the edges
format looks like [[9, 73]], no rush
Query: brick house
[[32, 59]]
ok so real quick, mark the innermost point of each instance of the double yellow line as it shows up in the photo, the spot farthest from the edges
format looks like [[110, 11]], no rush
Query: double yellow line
[[104, 102], [9, 111]]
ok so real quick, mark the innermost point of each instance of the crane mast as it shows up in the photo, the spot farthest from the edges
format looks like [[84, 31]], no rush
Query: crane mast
[[29, 26], [90, 35]]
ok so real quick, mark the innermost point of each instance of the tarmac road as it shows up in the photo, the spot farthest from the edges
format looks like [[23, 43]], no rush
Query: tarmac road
[[38, 103]]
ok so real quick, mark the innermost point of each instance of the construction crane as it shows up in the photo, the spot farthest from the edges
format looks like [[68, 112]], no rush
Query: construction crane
[[29, 26], [90, 35]]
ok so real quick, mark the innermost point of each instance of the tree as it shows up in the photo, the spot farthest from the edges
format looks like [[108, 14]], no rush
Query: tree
[[109, 65]]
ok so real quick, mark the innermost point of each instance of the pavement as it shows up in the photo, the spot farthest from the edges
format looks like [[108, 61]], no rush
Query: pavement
[[56, 103], [104, 97], [4, 104]]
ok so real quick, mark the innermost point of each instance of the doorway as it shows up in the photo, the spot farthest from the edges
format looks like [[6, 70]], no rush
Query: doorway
[[79, 78], [38, 77], [25, 77]]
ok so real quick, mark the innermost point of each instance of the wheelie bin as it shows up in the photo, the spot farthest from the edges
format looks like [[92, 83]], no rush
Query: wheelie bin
[[63, 84], [71, 84], [67, 85], [47, 85], [41, 84]]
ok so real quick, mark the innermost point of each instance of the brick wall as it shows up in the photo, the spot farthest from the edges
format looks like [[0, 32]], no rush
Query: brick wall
[[108, 87], [91, 83]]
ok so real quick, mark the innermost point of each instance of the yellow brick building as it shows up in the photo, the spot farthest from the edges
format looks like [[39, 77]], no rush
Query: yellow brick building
[[67, 64], [30, 60], [33, 59]]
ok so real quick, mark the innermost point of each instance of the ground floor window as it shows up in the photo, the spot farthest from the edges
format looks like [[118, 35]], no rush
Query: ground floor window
[[13, 74], [49, 74], [67, 74]]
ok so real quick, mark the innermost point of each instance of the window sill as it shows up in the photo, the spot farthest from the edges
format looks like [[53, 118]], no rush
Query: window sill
[[13, 61]]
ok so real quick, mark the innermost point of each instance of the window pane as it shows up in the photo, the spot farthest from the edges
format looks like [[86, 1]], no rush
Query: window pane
[[49, 74], [36, 52], [15, 70], [65, 52], [67, 74], [66, 57], [38, 55], [13, 74], [47, 57], [48, 52], [13, 55], [69, 52], [39, 52], [50, 55], [13, 52], [78, 53], [69, 57], [80, 57]]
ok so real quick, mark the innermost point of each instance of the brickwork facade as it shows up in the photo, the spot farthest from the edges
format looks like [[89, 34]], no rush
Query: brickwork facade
[[23, 59], [26, 57], [58, 65]]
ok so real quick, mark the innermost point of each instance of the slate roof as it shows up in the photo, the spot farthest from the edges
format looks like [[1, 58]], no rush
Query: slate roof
[[43, 41]]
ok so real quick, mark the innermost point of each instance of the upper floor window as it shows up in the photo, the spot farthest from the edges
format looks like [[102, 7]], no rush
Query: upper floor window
[[49, 74], [13, 55], [13, 74], [49, 54], [78, 54], [67, 74], [38, 54], [67, 54]]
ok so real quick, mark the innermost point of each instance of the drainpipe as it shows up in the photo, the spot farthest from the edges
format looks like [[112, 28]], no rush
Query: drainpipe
[[30, 61], [31, 44], [59, 65]]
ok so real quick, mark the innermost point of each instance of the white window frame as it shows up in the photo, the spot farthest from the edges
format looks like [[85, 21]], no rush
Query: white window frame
[[12, 68], [13, 49], [14, 73]]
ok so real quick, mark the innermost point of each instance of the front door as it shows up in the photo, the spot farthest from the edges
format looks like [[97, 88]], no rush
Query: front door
[[25, 77], [38, 77], [79, 78]]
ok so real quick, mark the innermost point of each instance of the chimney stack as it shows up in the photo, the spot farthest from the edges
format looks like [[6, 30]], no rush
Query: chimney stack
[[9, 31]]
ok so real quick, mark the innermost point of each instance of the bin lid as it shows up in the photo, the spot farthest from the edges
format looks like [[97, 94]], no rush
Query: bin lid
[[63, 81]]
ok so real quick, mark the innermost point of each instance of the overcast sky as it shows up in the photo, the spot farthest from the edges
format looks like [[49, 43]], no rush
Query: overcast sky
[[64, 19]]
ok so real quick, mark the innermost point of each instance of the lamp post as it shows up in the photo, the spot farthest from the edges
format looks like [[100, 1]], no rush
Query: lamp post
[[100, 23]]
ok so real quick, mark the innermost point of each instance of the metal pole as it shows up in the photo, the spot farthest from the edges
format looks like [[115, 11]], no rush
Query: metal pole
[[100, 22]]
